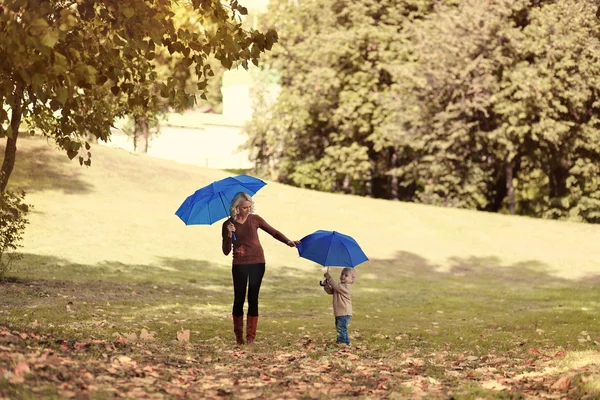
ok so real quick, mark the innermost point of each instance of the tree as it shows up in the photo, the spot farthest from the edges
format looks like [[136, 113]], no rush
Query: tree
[[146, 117], [500, 110], [446, 121], [326, 131], [550, 100], [59, 60]]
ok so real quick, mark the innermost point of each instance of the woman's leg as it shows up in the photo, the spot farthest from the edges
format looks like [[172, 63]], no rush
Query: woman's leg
[[256, 273], [240, 280], [255, 276]]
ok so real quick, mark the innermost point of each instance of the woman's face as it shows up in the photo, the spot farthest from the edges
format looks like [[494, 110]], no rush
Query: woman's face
[[245, 208]]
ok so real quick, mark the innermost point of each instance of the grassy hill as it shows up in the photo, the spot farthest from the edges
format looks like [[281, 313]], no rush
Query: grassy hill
[[122, 210], [452, 303]]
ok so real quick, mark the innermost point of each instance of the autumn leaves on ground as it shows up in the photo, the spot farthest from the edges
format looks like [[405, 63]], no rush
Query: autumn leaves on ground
[[115, 297]]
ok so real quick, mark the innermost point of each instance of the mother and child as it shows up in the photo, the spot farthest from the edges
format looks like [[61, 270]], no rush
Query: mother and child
[[240, 234]]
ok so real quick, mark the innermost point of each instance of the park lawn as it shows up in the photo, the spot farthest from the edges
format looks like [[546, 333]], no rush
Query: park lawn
[[452, 303]]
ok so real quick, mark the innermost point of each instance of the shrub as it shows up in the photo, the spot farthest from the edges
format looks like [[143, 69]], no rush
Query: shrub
[[13, 218]]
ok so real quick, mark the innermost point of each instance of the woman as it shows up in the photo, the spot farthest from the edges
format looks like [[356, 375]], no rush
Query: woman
[[241, 232]]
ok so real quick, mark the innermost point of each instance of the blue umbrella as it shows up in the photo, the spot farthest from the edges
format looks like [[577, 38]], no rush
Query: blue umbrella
[[211, 203], [331, 248]]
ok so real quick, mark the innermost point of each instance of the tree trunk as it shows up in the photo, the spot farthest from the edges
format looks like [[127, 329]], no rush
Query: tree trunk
[[393, 163], [272, 170], [510, 189], [346, 185], [140, 136], [10, 153], [558, 172]]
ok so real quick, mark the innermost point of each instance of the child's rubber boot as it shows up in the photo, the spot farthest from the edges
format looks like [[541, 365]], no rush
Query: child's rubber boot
[[251, 323], [238, 329]]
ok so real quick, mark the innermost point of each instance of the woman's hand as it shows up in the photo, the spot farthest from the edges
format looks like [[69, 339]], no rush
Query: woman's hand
[[293, 243], [230, 229]]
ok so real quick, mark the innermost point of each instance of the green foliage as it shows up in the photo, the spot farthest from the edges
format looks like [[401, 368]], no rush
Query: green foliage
[[168, 65], [13, 218], [447, 118], [325, 130], [549, 102], [481, 105], [70, 68]]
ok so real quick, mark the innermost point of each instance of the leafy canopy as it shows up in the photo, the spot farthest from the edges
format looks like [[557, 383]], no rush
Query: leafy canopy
[[63, 64]]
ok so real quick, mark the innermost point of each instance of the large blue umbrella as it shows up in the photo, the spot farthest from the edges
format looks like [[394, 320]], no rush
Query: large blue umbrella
[[211, 203], [331, 248]]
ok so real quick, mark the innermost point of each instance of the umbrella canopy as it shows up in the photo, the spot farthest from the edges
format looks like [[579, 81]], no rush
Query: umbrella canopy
[[211, 203], [331, 249]]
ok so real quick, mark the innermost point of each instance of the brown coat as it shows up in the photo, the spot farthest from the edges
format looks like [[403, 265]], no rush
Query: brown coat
[[342, 302], [247, 248]]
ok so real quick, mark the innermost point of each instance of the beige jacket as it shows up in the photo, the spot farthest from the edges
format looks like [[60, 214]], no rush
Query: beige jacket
[[342, 303]]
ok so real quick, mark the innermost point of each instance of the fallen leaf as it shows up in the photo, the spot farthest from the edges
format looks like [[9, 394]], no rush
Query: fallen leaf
[[563, 383], [494, 385], [183, 335], [21, 369], [145, 335], [67, 394]]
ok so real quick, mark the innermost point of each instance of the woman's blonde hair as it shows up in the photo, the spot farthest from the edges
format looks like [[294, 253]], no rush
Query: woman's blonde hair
[[237, 200]]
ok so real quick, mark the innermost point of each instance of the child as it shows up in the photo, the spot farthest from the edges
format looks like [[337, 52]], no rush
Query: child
[[342, 303]]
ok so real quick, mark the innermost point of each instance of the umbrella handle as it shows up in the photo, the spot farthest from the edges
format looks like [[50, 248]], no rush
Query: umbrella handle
[[232, 233], [321, 282]]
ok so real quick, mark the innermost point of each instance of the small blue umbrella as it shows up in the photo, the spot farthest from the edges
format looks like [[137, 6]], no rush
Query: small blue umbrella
[[331, 249], [211, 203]]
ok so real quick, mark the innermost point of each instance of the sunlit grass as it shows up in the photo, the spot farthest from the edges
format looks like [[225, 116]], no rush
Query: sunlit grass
[[105, 255], [121, 210]]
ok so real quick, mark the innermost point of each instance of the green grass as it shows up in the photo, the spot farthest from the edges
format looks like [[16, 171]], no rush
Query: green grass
[[449, 297]]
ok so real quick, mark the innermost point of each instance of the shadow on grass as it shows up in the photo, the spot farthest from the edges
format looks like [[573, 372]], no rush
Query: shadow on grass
[[472, 270], [407, 280], [41, 166], [168, 271], [402, 271], [38, 276], [406, 266], [481, 284], [406, 295]]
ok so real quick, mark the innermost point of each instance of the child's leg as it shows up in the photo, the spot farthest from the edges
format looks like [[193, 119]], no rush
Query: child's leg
[[341, 326]]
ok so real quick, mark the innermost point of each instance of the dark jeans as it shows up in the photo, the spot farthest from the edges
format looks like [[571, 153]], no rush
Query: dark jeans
[[341, 326], [246, 275]]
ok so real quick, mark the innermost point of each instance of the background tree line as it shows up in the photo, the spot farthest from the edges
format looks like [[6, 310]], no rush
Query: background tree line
[[482, 105]]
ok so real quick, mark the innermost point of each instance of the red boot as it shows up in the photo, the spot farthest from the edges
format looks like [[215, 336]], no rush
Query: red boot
[[251, 323], [238, 329]]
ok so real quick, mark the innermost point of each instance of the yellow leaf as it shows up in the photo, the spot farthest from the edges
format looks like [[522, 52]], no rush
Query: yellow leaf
[[21, 369], [183, 335], [563, 383], [494, 385], [145, 335]]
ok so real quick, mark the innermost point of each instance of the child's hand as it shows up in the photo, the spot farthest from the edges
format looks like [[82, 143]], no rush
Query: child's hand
[[327, 276]]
